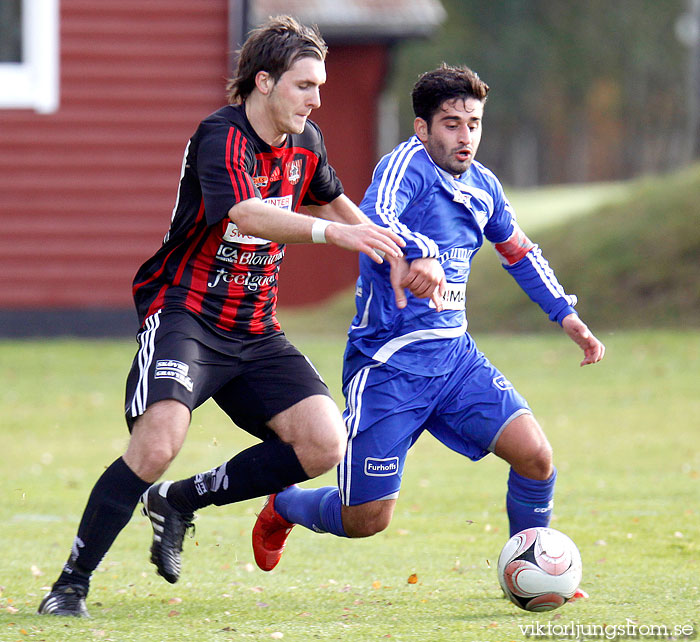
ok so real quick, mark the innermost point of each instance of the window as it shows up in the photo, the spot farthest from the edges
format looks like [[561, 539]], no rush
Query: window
[[29, 55]]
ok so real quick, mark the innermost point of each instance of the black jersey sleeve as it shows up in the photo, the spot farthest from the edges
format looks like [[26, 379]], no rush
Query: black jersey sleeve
[[325, 186], [225, 162]]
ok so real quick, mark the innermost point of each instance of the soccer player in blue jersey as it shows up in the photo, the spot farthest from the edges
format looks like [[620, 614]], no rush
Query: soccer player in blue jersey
[[415, 367]]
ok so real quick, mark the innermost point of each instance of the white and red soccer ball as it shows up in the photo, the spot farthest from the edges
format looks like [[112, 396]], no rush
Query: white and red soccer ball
[[539, 569]]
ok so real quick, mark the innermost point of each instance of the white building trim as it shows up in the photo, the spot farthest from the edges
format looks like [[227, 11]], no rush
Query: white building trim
[[33, 83]]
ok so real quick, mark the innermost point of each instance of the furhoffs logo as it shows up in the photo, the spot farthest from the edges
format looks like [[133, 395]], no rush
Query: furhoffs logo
[[381, 467]]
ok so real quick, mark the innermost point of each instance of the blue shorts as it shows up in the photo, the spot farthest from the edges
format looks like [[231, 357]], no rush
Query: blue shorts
[[387, 409]]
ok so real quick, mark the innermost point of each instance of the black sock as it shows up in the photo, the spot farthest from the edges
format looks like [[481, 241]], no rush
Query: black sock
[[108, 511], [260, 470]]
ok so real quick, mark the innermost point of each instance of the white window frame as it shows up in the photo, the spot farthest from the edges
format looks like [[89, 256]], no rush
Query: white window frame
[[34, 82]]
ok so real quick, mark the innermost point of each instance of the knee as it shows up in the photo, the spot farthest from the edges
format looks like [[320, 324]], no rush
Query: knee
[[158, 460], [156, 439], [335, 447], [149, 463], [367, 526], [525, 447], [539, 464], [328, 451]]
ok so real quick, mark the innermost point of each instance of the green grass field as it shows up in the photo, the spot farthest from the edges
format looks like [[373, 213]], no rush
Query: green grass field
[[626, 445]]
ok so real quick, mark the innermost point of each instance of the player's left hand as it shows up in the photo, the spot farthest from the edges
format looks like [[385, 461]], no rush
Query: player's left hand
[[424, 278], [593, 349]]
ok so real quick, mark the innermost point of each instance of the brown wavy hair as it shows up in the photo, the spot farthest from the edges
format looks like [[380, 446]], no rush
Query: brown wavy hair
[[273, 47]]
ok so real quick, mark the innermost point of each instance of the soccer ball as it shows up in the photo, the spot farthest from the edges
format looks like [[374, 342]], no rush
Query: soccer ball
[[539, 569]]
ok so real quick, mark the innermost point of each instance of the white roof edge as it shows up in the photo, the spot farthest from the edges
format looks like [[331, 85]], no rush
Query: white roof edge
[[355, 19]]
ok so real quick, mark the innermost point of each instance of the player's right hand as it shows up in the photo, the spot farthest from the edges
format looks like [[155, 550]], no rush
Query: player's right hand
[[373, 240]]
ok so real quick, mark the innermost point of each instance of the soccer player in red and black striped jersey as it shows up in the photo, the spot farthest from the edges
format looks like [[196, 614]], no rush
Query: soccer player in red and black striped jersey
[[206, 302]]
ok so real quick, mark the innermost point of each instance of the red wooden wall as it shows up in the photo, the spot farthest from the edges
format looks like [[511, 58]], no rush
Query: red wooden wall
[[86, 193], [348, 117]]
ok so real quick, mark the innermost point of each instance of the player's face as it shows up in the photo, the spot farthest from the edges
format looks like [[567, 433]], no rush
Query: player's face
[[296, 94], [454, 134]]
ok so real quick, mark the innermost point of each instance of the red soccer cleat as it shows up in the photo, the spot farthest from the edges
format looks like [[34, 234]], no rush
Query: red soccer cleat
[[580, 594], [270, 535]]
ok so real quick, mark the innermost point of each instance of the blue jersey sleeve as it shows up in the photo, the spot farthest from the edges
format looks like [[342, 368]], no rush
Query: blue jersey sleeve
[[526, 264], [537, 279], [401, 179], [501, 223]]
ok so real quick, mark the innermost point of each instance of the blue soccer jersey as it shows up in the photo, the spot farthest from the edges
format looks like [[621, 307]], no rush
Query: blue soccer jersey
[[446, 218]]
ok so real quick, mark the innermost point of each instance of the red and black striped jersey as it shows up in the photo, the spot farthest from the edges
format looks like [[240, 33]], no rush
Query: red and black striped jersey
[[205, 264]]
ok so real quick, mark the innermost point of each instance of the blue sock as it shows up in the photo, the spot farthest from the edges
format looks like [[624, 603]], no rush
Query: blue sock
[[317, 509], [529, 501]]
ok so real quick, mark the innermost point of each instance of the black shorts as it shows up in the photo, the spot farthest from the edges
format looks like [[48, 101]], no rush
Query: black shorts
[[251, 379]]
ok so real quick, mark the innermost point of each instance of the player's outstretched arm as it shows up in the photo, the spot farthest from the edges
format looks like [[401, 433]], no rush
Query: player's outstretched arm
[[341, 210], [373, 240], [256, 218], [593, 349]]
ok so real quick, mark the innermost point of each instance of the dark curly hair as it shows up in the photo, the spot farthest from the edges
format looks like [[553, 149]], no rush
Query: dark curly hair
[[434, 87]]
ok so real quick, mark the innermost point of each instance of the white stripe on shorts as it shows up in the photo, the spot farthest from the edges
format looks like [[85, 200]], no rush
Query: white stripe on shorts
[[352, 423], [145, 358]]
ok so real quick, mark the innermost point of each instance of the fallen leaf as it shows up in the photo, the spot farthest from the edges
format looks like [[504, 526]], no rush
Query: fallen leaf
[[36, 571], [277, 635], [175, 600], [257, 589], [376, 584], [173, 613], [12, 610], [412, 578]]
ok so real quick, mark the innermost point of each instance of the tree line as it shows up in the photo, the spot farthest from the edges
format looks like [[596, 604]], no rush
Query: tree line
[[581, 90]]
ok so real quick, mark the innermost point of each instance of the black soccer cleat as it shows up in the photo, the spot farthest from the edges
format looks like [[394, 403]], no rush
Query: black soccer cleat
[[68, 599], [169, 528]]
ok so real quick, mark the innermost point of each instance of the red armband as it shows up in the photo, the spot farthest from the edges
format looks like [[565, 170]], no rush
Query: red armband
[[515, 248]]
